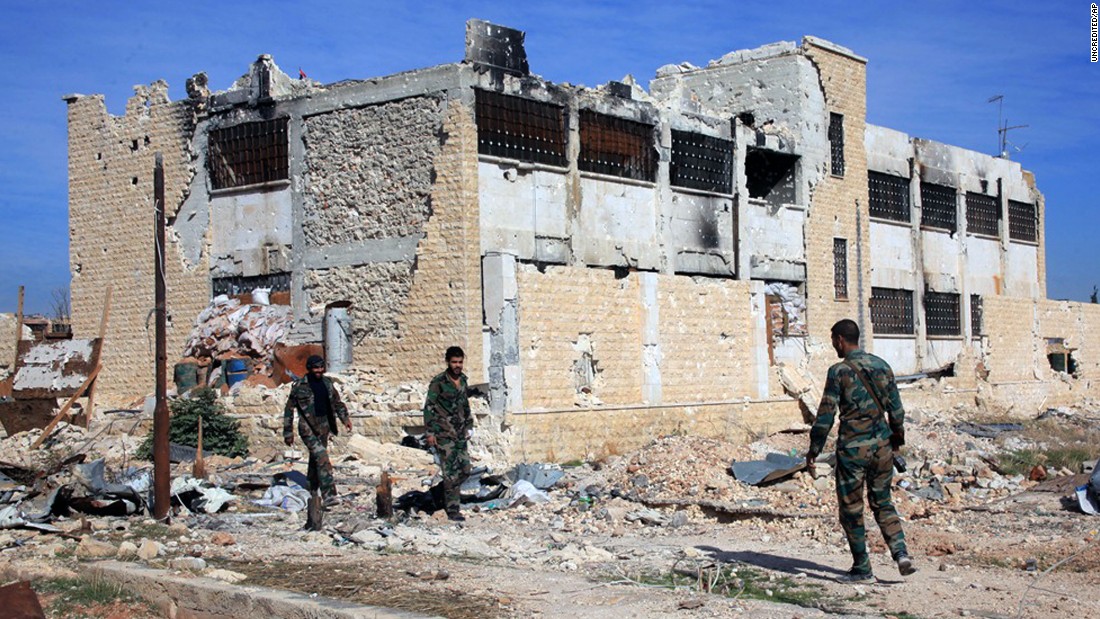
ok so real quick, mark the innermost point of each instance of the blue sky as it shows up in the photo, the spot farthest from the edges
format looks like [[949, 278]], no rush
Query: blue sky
[[933, 65]]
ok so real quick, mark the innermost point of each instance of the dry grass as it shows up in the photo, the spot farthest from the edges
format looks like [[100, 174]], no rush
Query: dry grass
[[1058, 442], [374, 582]]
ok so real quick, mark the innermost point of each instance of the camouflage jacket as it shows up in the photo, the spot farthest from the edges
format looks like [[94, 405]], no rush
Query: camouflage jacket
[[861, 421], [447, 409], [301, 398]]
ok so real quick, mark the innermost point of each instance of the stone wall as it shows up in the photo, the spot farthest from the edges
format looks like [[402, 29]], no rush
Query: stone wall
[[566, 312], [377, 291], [839, 205], [369, 171], [111, 160]]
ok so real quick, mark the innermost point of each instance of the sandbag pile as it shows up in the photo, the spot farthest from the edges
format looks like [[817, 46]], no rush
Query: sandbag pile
[[229, 329]]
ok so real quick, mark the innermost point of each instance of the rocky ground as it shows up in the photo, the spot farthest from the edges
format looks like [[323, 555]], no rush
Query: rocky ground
[[662, 531]]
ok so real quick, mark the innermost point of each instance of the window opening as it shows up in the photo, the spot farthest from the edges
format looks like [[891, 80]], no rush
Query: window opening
[[1060, 356], [840, 269], [941, 313], [1022, 221], [248, 154], [983, 215], [938, 206], [237, 285], [617, 147], [521, 129], [701, 162], [770, 176], [976, 315], [892, 311], [888, 196], [836, 143]]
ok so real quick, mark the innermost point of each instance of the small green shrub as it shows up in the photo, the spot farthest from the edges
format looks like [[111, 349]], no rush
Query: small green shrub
[[221, 434]]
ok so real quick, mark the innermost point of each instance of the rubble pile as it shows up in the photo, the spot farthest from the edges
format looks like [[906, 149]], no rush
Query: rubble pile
[[228, 329]]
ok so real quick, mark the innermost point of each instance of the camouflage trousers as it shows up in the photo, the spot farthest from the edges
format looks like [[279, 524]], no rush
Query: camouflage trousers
[[871, 466], [320, 467], [454, 461]]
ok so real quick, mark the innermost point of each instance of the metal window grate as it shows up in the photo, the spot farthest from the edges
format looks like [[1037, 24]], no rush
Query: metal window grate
[[521, 129], [892, 311], [617, 146], [248, 154], [889, 196], [836, 143], [239, 284], [1022, 224], [941, 313], [976, 314], [840, 268], [701, 162], [983, 214], [938, 206]]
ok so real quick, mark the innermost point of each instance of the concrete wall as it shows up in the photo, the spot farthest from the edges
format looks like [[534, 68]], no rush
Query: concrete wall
[[111, 160], [247, 228]]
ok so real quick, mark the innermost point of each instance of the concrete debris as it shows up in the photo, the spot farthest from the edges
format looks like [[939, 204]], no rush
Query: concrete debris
[[987, 430]]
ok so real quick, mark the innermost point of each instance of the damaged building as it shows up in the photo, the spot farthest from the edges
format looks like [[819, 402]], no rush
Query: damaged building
[[617, 263]]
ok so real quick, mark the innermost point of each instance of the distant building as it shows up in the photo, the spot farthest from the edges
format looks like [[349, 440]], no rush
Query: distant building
[[617, 263]]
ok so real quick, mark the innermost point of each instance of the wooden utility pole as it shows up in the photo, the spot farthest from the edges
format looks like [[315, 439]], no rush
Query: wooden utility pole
[[18, 330], [161, 477]]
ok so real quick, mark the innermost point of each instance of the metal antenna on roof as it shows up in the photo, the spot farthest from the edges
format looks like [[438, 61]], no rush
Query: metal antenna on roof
[[1003, 128]]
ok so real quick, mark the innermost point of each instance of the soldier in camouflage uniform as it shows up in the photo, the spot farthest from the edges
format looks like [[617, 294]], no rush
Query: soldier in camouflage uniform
[[318, 404], [447, 424], [865, 446]]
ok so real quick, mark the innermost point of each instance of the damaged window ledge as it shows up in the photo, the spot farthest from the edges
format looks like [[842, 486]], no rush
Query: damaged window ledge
[[941, 229], [958, 336], [596, 176], [988, 237], [764, 203], [701, 192], [895, 336], [253, 188], [522, 166], [1023, 242], [894, 222]]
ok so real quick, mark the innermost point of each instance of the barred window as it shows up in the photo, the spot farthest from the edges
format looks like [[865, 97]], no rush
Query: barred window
[[840, 269], [941, 313], [836, 143], [892, 311], [1022, 224], [976, 314], [983, 214], [701, 162], [889, 196], [617, 146], [240, 284], [521, 129], [938, 207], [248, 154]]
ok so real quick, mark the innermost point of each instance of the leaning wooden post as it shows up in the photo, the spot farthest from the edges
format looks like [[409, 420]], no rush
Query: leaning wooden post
[[161, 474]]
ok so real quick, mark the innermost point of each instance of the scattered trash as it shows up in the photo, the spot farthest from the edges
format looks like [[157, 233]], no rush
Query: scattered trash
[[541, 476]]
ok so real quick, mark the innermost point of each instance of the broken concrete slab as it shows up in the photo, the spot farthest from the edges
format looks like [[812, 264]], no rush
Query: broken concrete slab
[[772, 468]]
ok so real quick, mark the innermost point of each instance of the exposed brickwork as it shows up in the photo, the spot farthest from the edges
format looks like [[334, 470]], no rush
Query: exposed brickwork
[[706, 340], [592, 433], [111, 229], [555, 309], [1012, 342], [369, 170], [834, 205]]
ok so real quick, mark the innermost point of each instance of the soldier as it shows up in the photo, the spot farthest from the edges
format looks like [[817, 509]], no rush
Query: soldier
[[447, 423], [862, 388], [318, 404]]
